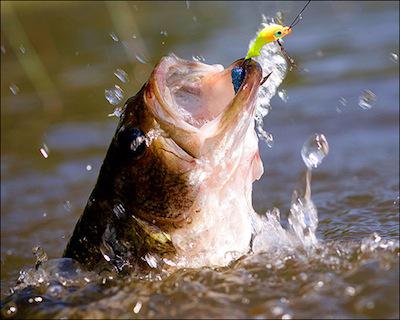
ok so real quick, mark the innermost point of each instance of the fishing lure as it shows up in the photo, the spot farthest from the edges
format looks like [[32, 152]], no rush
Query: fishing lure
[[271, 33]]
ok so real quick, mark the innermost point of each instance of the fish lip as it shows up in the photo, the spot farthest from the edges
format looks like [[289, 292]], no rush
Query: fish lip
[[165, 115]]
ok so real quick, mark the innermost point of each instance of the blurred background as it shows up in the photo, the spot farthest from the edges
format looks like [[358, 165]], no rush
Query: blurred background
[[66, 65]]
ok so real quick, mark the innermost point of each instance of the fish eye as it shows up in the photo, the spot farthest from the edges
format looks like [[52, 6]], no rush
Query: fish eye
[[132, 141], [278, 33]]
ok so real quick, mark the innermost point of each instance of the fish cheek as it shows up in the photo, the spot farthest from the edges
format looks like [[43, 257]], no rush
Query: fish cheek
[[158, 194]]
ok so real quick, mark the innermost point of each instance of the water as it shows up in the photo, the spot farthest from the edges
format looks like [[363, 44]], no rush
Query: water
[[367, 100], [350, 271], [121, 75], [314, 150], [114, 95]]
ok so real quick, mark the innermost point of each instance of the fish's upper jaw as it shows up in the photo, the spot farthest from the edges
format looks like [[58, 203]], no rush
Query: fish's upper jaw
[[195, 103]]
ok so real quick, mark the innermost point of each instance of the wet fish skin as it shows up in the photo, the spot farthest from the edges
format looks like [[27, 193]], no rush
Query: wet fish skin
[[143, 197], [147, 188]]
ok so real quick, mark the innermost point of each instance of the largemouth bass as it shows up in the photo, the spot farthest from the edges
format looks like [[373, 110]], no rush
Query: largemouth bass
[[176, 184]]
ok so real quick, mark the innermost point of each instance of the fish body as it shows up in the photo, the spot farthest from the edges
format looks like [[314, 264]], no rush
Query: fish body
[[175, 186]]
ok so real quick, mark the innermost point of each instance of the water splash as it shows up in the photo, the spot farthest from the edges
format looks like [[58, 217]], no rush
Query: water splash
[[147, 138], [271, 61], [40, 255], [303, 216], [367, 100]]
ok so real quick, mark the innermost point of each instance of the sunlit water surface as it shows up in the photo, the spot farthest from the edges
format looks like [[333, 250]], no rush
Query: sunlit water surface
[[55, 131]]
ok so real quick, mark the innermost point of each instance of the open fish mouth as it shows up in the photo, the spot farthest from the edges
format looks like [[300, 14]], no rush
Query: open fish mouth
[[195, 103]]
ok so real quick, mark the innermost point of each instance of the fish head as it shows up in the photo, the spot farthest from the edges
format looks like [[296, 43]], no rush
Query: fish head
[[180, 165], [185, 129]]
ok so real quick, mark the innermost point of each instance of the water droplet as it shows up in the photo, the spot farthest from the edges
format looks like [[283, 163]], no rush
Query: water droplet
[[119, 210], [343, 101], [117, 112], [44, 151], [276, 214], [67, 205], [267, 137], [283, 95], [44, 214], [394, 57], [88, 167], [187, 4], [136, 143], [3, 49], [11, 309], [151, 260], [106, 257], [114, 95], [134, 36], [164, 33], [314, 150], [376, 237], [38, 299], [303, 276], [279, 17], [194, 19], [121, 75], [198, 58], [14, 89], [350, 291], [86, 279], [140, 59], [277, 310], [55, 290], [319, 284], [22, 49], [367, 100], [114, 37], [137, 307]]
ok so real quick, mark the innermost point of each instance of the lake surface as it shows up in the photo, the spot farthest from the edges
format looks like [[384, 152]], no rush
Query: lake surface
[[57, 59]]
